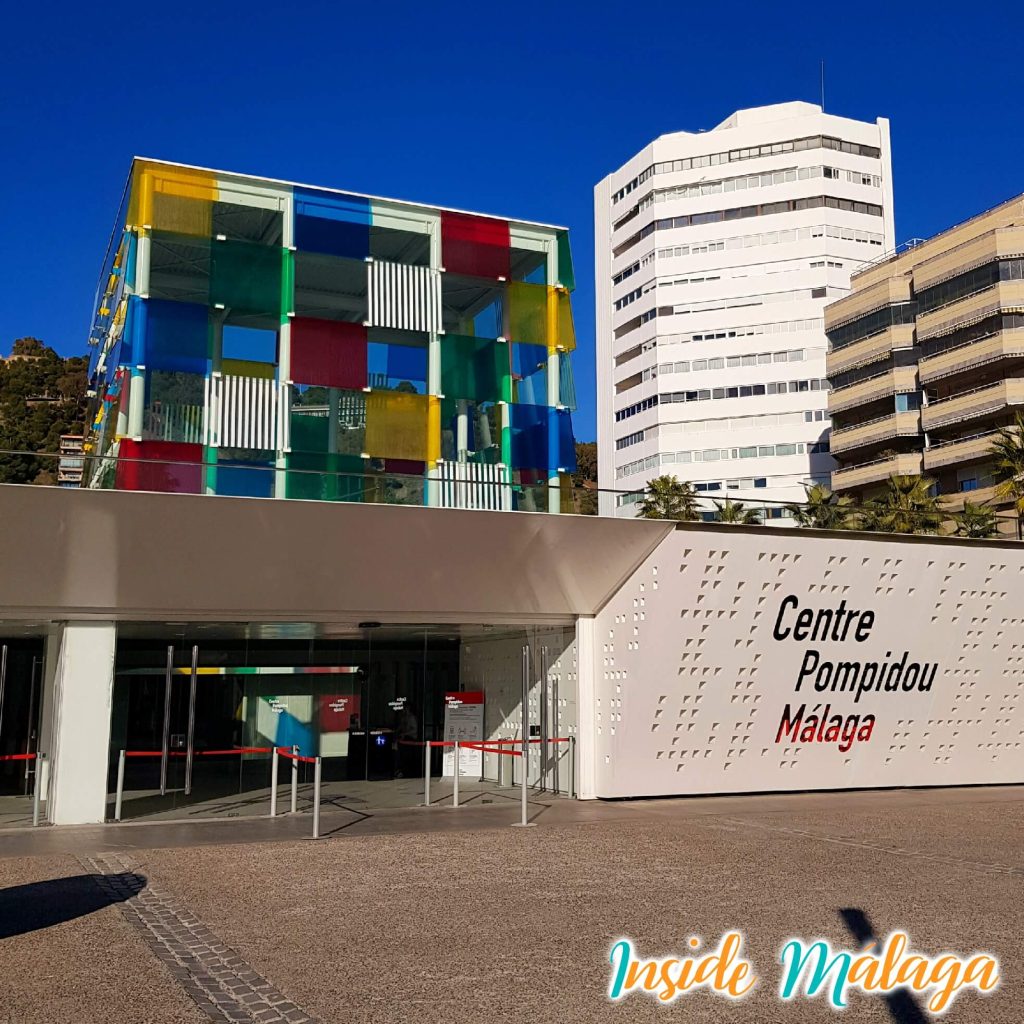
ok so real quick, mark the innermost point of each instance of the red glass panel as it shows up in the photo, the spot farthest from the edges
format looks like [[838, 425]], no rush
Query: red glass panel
[[478, 246], [169, 466], [330, 353]]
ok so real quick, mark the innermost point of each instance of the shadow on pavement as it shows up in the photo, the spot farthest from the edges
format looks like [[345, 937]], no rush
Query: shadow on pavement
[[28, 908], [901, 1005]]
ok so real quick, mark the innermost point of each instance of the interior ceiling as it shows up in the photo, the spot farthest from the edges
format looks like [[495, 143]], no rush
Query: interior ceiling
[[196, 631]]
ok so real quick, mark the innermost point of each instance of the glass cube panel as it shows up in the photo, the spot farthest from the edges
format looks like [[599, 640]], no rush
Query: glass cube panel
[[530, 374], [334, 223], [177, 337], [529, 434], [398, 426], [331, 353], [478, 246], [475, 368], [528, 313], [566, 276], [247, 277], [159, 466]]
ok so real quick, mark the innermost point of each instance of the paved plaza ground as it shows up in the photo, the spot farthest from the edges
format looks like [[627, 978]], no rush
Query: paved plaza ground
[[450, 915]]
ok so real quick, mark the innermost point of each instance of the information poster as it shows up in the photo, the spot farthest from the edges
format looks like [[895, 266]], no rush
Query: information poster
[[464, 721]]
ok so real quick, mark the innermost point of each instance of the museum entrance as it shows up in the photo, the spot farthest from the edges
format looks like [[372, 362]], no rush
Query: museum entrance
[[198, 710], [21, 684]]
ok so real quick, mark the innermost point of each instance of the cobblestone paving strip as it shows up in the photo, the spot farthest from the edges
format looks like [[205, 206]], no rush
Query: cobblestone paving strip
[[220, 982]]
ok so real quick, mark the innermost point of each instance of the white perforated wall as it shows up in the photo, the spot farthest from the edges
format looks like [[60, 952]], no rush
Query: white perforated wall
[[693, 681]]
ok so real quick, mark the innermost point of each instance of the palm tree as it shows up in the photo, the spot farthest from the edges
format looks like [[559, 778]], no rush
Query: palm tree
[[1007, 453], [906, 506], [735, 512], [669, 498], [976, 521], [823, 509]]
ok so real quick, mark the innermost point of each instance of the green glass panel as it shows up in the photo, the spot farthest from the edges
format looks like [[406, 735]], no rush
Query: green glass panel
[[320, 477], [566, 277], [310, 432], [247, 278], [474, 368]]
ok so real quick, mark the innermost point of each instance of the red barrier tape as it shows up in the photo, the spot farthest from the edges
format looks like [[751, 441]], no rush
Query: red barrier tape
[[17, 757], [285, 752], [466, 743], [491, 750]]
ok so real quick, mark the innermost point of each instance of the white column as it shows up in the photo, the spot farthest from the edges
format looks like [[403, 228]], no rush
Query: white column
[[434, 360], [77, 697], [587, 748], [554, 387]]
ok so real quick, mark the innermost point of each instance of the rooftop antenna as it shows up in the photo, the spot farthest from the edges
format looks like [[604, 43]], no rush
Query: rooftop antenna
[[823, 86]]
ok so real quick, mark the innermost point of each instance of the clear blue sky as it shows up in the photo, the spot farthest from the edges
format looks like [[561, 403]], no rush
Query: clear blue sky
[[504, 108]]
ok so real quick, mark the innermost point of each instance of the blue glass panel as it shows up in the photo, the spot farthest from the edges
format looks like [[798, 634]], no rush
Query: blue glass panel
[[177, 337], [563, 442], [333, 223], [245, 479], [529, 430]]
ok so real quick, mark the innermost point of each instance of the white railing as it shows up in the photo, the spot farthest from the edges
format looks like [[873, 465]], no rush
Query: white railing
[[475, 485]]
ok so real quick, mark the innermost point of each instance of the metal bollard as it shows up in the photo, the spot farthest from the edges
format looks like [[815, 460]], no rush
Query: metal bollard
[[426, 773], [316, 798], [295, 779], [120, 785], [273, 783], [455, 791], [37, 790]]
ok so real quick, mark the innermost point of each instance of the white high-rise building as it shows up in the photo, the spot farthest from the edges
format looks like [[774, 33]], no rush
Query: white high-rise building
[[716, 253]]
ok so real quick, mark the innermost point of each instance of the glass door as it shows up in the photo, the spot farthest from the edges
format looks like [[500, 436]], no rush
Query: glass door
[[21, 678]]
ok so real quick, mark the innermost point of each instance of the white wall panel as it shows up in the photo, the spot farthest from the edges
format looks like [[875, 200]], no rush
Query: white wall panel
[[692, 683]]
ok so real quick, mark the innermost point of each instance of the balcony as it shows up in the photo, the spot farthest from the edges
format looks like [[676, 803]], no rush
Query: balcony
[[1006, 296], [960, 451], [971, 405], [999, 244], [876, 431], [876, 472], [870, 350], [887, 292], [998, 346], [897, 379]]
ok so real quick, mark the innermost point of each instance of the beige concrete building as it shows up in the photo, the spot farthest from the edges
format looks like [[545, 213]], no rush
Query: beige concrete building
[[926, 359]]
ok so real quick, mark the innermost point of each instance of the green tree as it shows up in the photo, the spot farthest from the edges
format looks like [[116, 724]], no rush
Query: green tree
[[41, 397], [669, 498], [976, 521], [584, 480], [906, 506], [823, 509], [731, 511], [1007, 453]]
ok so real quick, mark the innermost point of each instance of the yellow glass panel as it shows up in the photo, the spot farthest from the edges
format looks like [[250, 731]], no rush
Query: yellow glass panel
[[528, 313], [176, 199], [398, 425], [566, 331], [247, 368], [433, 430]]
